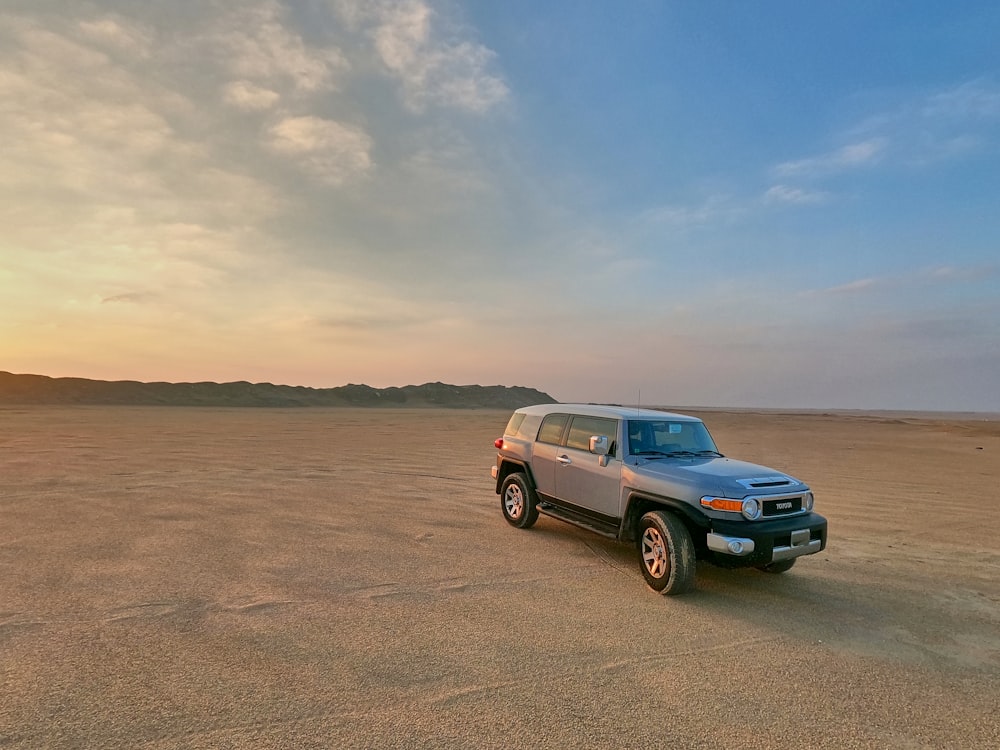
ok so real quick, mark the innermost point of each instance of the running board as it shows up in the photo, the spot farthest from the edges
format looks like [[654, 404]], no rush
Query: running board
[[578, 519]]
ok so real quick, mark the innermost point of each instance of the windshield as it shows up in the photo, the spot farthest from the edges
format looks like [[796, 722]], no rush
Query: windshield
[[652, 437]]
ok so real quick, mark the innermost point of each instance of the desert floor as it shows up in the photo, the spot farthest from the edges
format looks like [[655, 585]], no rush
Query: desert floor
[[314, 578]]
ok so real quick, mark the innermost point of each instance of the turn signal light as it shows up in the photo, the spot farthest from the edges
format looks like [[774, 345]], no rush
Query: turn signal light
[[721, 503]]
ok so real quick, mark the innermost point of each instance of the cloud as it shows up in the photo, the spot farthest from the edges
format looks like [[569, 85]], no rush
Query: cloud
[[152, 174], [119, 35], [248, 96], [725, 209], [714, 209], [256, 44], [938, 126], [923, 277], [851, 156], [954, 273], [969, 100], [433, 66], [798, 196], [851, 287], [129, 297], [331, 151], [80, 122], [121, 127]]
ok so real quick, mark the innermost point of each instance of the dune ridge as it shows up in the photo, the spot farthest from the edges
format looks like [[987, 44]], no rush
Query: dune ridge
[[40, 389]]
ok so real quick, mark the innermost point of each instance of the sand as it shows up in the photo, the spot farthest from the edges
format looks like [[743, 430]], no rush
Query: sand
[[253, 578]]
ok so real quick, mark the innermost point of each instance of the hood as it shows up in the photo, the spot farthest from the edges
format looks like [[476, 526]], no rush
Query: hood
[[723, 476]]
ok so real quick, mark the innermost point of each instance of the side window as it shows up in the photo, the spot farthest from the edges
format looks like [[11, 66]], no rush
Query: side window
[[514, 424], [552, 428], [529, 427], [583, 428]]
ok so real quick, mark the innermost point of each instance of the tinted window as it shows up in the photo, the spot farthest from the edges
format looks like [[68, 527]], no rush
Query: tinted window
[[529, 427], [514, 423], [552, 428], [583, 428]]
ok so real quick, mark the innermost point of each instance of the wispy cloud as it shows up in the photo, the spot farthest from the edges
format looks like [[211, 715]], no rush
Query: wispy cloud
[[934, 276], [128, 297], [955, 273], [969, 100], [852, 287], [851, 156], [941, 125], [794, 195], [717, 209]]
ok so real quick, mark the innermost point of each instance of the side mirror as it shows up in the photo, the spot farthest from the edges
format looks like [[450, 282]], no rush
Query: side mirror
[[599, 444]]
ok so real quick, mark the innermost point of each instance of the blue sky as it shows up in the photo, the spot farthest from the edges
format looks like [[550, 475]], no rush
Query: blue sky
[[776, 204]]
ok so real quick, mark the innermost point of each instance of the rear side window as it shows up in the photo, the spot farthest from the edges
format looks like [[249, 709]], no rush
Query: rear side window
[[514, 424], [552, 428], [583, 428]]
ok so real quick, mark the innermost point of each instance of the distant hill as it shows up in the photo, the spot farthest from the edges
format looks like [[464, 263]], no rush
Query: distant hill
[[40, 389]]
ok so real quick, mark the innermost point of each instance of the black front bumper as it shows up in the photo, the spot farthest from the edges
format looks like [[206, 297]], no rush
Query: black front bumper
[[772, 541]]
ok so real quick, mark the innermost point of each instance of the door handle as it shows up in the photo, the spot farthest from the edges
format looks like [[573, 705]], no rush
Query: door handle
[[564, 460]]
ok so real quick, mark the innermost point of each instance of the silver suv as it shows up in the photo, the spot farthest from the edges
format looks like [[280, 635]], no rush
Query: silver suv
[[657, 480]]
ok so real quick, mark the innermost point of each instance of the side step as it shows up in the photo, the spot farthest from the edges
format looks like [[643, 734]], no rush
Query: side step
[[578, 519]]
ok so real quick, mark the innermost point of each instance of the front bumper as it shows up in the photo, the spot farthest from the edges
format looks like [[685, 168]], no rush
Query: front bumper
[[750, 543]]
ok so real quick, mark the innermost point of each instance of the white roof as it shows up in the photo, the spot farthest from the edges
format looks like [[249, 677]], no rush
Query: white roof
[[600, 410]]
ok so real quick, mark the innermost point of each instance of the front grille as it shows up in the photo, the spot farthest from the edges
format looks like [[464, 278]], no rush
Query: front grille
[[782, 506]]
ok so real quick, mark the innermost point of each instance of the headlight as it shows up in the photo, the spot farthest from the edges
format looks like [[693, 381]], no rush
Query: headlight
[[751, 508], [808, 501]]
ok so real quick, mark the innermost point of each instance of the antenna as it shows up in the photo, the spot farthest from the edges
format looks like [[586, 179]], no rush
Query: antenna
[[638, 400]]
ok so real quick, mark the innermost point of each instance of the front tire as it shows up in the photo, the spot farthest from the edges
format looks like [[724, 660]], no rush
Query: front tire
[[518, 501], [778, 567], [666, 553]]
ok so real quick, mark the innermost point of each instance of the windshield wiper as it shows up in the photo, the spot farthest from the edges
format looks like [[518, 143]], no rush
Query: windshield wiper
[[674, 454]]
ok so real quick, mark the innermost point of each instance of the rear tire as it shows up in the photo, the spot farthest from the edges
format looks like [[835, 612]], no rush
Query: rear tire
[[666, 553], [518, 501], [777, 567]]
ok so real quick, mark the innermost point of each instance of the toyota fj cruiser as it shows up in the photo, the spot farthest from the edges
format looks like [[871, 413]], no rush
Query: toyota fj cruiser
[[657, 480]]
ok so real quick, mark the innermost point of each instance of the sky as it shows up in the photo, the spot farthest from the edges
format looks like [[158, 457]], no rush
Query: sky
[[778, 204]]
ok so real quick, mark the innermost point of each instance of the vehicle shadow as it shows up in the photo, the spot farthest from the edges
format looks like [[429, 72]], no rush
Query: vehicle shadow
[[856, 606]]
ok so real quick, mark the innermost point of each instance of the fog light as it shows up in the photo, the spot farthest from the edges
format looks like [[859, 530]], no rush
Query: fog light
[[735, 546]]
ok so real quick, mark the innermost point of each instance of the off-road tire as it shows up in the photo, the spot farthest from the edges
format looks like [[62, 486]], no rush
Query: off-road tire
[[777, 567], [518, 501], [666, 553]]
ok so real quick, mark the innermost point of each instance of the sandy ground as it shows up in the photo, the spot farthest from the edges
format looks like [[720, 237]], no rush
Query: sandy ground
[[253, 578]]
